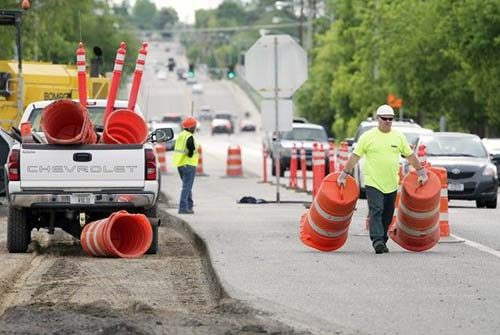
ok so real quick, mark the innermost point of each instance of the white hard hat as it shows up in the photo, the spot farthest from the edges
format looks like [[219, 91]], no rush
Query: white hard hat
[[385, 110]]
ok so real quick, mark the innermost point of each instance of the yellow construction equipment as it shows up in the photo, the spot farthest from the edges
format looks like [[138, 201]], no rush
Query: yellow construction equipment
[[41, 81]]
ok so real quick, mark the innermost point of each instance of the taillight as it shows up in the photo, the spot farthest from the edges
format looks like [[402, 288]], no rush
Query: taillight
[[150, 166], [13, 165]]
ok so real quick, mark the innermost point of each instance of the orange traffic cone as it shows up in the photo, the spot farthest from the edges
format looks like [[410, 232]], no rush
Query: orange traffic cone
[[234, 168], [199, 168]]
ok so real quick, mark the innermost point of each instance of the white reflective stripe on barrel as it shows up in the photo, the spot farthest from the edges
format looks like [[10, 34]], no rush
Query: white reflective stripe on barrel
[[321, 231], [328, 216], [236, 156], [94, 238], [444, 192], [234, 167], [417, 233], [418, 215], [443, 216]]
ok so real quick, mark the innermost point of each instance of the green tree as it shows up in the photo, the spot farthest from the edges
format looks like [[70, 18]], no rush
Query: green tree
[[165, 17], [143, 13]]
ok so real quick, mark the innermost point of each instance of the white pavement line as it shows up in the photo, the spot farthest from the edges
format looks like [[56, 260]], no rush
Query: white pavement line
[[478, 246]]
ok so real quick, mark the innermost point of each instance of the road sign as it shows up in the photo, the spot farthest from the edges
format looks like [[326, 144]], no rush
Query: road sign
[[276, 57], [285, 115]]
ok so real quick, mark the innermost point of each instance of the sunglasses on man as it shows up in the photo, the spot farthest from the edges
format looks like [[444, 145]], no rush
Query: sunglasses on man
[[383, 118]]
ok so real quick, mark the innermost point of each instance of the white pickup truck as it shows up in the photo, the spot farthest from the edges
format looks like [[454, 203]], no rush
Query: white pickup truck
[[66, 186]]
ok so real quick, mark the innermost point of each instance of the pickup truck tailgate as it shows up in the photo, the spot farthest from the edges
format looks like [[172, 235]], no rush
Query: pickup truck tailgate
[[87, 166]]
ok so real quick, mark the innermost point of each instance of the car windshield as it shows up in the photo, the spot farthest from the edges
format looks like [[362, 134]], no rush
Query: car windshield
[[306, 134], [453, 146], [96, 114]]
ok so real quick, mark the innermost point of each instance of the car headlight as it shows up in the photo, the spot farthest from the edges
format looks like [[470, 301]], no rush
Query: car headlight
[[490, 170]]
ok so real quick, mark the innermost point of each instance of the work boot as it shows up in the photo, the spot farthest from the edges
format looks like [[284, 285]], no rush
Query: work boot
[[386, 250], [379, 247]]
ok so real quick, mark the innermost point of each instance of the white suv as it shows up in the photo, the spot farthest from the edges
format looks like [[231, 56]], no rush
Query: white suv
[[408, 127]]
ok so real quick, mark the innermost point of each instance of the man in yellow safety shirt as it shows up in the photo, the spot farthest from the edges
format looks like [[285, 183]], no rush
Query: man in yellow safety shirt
[[186, 160], [382, 147]]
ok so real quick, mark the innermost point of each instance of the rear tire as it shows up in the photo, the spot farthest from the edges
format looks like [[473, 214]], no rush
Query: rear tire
[[18, 231], [153, 213], [480, 203]]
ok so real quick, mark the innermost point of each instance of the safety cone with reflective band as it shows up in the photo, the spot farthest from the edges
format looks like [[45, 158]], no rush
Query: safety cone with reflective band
[[292, 181], [325, 225], [139, 69], [417, 226], [82, 75], [318, 167], [331, 157], [343, 155], [234, 167], [303, 168], [199, 167], [161, 156], [115, 80], [444, 226], [120, 235]]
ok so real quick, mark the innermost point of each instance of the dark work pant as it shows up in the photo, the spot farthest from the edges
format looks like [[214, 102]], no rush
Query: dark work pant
[[381, 210], [187, 173]]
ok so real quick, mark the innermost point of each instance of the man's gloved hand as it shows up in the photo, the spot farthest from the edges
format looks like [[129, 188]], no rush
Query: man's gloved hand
[[422, 176], [341, 180]]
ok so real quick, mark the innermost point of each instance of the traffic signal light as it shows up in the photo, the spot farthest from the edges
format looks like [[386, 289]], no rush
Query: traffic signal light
[[230, 72], [191, 71]]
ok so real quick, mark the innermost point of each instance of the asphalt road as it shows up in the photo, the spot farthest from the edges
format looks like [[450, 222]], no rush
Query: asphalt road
[[448, 290]]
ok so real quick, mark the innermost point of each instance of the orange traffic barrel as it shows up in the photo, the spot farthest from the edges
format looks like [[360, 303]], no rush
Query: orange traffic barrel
[[119, 235], [417, 225], [125, 127], [161, 155], [67, 122], [444, 225], [234, 167], [325, 225]]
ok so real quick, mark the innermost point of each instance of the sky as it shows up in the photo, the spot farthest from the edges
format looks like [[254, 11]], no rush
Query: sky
[[185, 8]]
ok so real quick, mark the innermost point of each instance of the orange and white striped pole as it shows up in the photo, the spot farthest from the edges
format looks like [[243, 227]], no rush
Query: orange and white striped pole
[[303, 168], [139, 69], [331, 157], [82, 75], [292, 182], [115, 81], [318, 166]]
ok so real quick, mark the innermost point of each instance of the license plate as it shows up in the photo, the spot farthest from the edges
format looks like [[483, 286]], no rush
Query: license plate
[[82, 198], [455, 187]]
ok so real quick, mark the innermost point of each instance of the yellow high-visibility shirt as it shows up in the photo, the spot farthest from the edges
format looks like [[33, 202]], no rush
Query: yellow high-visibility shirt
[[382, 152]]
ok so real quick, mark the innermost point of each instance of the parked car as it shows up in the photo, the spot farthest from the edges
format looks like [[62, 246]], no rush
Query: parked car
[[302, 134], [493, 147], [221, 126], [471, 173], [408, 127]]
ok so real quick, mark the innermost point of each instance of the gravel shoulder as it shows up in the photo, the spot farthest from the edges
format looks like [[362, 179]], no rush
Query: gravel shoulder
[[56, 289]]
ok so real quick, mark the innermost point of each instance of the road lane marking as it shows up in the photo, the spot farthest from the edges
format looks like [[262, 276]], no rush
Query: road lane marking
[[478, 246]]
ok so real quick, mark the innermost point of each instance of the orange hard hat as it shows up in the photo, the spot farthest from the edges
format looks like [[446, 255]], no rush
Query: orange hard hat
[[189, 122]]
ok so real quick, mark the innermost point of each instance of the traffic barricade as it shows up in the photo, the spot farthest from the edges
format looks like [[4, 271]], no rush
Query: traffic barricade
[[161, 156], [325, 225], [234, 165], [417, 225]]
